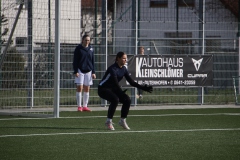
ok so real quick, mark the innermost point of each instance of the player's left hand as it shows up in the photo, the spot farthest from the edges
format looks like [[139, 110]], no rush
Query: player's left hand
[[147, 88], [93, 76]]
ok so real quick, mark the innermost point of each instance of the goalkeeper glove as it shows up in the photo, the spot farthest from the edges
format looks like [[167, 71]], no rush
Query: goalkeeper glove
[[147, 88]]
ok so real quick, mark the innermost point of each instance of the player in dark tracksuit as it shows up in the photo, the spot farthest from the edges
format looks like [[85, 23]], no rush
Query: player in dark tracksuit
[[110, 90], [83, 59], [84, 71]]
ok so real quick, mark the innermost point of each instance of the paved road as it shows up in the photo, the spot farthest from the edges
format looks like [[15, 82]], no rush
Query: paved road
[[156, 107], [17, 110]]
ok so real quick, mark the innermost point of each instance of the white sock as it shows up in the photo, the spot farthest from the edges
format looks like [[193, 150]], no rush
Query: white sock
[[79, 98], [123, 119], [109, 120], [85, 98]]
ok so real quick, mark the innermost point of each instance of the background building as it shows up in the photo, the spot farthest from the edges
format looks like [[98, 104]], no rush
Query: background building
[[161, 26]]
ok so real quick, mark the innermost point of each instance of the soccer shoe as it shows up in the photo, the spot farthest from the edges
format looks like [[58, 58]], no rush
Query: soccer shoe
[[79, 109], [86, 109], [109, 125], [123, 123], [140, 96]]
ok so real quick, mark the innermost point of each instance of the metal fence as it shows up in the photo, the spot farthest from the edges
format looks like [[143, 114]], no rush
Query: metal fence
[[162, 27]]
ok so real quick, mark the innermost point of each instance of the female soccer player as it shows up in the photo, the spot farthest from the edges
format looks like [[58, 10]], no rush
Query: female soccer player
[[83, 66], [110, 90], [139, 91]]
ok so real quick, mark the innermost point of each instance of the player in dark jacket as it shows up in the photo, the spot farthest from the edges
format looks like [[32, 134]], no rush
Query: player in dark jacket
[[139, 91], [110, 90], [84, 71]]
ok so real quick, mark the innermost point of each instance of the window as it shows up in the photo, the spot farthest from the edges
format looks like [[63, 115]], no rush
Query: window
[[186, 3], [213, 43], [158, 3], [21, 41], [179, 43]]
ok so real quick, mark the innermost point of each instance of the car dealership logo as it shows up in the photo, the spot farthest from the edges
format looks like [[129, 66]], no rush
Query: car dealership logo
[[197, 63]]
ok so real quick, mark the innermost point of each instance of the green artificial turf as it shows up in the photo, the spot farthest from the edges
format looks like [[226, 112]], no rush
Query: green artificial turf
[[155, 134]]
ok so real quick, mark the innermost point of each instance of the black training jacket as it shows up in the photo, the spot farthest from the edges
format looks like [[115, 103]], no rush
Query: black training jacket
[[83, 59]]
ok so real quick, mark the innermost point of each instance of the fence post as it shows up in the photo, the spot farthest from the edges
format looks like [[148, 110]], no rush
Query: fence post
[[30, 56], [134, 41], [104, 42]]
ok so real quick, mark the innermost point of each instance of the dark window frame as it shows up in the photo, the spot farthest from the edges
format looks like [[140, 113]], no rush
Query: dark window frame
[[158, 3], [20, 41], [190, 3]]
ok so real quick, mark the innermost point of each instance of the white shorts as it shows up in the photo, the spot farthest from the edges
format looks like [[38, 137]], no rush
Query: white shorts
[[84, 78]]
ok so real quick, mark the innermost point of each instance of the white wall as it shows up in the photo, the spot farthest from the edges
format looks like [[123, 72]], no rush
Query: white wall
[[70, 20]]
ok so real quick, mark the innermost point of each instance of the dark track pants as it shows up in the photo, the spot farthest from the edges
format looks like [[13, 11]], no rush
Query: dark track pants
[[114, 98]]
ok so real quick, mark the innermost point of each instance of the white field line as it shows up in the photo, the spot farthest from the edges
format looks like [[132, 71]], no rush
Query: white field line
[[160, 115], [116, 132]]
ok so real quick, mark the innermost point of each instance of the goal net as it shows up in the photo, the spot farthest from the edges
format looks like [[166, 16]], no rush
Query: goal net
[[28, 53]]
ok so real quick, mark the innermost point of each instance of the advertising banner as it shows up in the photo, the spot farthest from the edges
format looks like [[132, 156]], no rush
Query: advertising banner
[[169, 70]]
